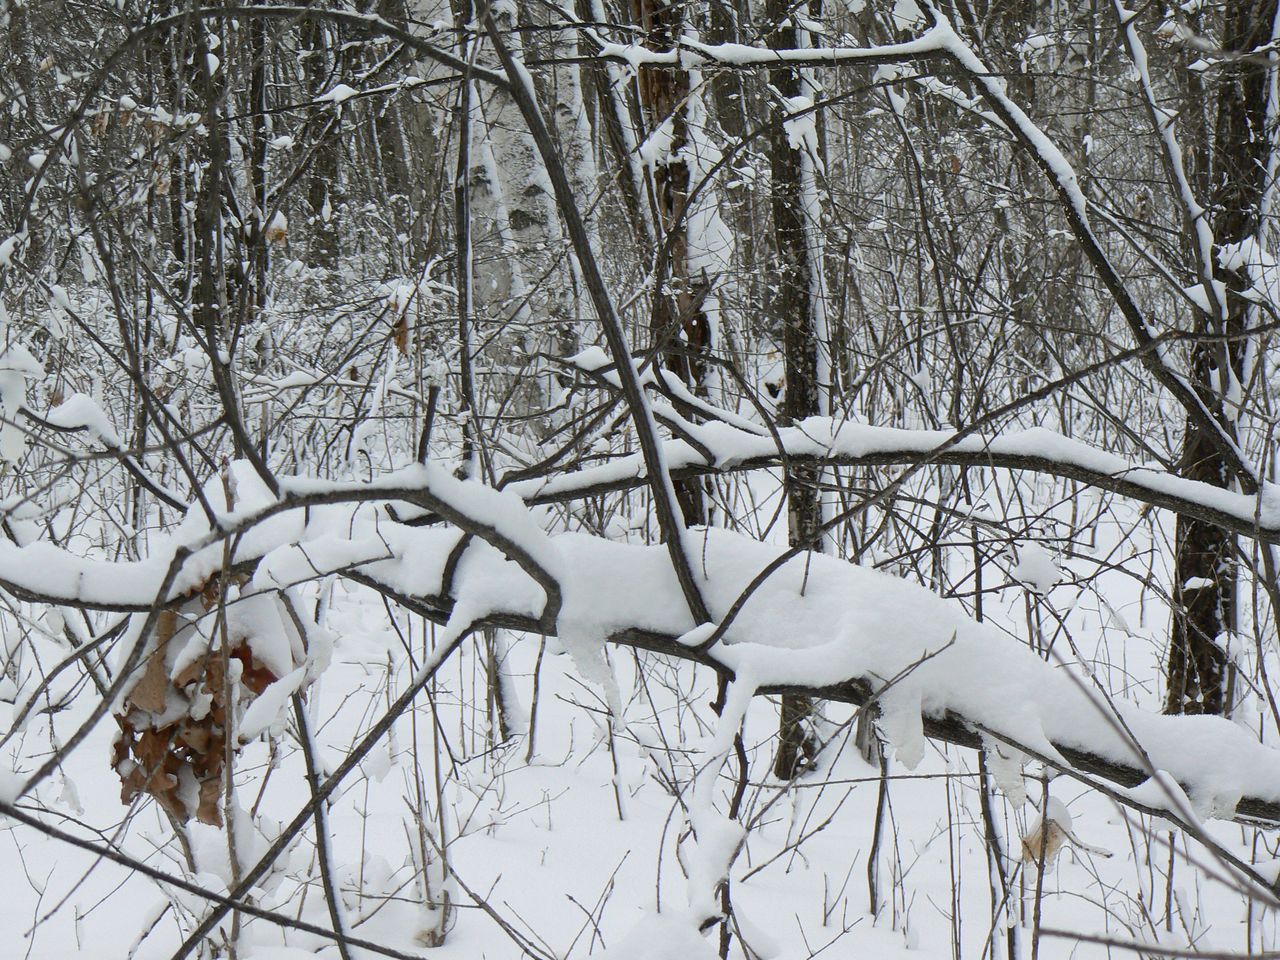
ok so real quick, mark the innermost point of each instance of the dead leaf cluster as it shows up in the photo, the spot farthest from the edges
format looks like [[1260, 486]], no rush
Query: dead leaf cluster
[[173, 728]]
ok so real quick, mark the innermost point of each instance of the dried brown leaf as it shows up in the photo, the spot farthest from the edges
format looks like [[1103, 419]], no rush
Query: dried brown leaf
[[149, 692], [208, 810]]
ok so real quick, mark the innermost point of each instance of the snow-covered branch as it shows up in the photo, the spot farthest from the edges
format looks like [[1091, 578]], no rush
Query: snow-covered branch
[[842, 638]]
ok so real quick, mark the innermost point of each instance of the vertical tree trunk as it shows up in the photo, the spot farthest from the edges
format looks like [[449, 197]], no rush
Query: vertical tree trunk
[[617, 115], [254, 294], [395, 153], [796, 308], [1204, 590], [573, 132], [317, 40], [569, 110], [510, 189], [678, 320]]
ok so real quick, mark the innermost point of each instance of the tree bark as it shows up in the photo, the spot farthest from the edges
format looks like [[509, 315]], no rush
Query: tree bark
[[796, 310], [679, 322], [317, 40], [512, 196], [1205, 578]]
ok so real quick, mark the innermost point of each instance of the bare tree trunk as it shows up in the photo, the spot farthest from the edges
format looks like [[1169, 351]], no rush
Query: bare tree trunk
[[618, 115], [317, 40], [680, 324], [572, 126], [511, 191], [1204, 590], [796, 308], [573, 131]]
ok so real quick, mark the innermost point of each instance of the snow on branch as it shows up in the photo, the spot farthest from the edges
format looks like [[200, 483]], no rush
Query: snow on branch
[[849, 632], [288, 533], [691, 53], [843, 637], [719, 447]]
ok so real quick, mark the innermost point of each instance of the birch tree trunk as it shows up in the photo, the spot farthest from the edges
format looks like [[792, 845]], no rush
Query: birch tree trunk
[[510, 188]]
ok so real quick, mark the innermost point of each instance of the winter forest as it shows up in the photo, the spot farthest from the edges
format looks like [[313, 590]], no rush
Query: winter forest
[[639, 479]]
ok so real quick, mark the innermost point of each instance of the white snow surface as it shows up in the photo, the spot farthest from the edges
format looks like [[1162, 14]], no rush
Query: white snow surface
[[659, 937]]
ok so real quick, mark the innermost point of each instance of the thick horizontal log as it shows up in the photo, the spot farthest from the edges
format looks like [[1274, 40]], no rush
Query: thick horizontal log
[[949, 728]]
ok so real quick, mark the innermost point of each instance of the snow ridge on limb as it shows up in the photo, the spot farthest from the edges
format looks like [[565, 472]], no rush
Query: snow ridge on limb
[[745, 57], [843, 638], [847, 636], [314, 529], [720, 448]]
